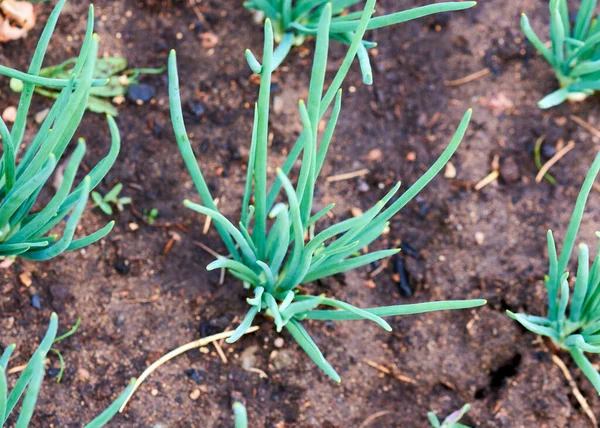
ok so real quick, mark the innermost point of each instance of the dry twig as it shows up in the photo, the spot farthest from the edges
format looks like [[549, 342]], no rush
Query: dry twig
[[467, 79], [558, 156]]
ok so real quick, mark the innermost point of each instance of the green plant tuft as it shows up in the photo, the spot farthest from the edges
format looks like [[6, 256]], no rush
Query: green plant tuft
[[268, 251], [30, 381], [295, 20], [22, 232], [574, 53], [452, 421], [112, 197], [578, 332]]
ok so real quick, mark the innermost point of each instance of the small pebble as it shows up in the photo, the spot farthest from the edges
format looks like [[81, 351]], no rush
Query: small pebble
[[35, 301], [41, 115], [356, 212], [9, 114], [195, 394], [548, 150], [479, 238], [197, 109], [375, 155], [279, 342], [450, 171], [141, 92], [83, 375], [122, 266], [25, 279], [363, 187], [154, 392]]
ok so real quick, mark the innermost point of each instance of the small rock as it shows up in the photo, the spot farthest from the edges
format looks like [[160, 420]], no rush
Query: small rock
[[35, 302], [356, 212], [25, 279], [197, 109], [83, 375], [548, 150], [375, 155], [509, 171], [479, 238], [41, 115], [9, 114], [133, 226], [140, 93], [122, 266], [195, 394], [363, 187], [194, 374], [279, 342], [450, 171], [277, 104], [154, 392], [209, 40]]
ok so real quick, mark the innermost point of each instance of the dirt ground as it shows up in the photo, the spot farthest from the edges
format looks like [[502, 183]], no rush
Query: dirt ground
[[139, 301]]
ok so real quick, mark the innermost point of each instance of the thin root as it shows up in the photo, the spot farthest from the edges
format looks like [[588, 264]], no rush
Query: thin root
[[389, 372], [586, 125], [347, 175], [580, 398], [490, 178], [176, 352], [467, 79]]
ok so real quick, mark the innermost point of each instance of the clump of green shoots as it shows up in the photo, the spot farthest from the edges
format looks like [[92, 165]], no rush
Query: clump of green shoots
[[23, 230], [30, 382], [578, 332], [273, 261], [574, 53], [295, 20], [112, 197], [452, 421], [151, 215], [113, 69]]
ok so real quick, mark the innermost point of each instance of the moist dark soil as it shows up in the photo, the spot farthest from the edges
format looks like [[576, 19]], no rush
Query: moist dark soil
[[144, 290]]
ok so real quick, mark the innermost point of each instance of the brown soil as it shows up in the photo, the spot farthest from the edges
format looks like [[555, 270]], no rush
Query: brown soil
[[138, 302]]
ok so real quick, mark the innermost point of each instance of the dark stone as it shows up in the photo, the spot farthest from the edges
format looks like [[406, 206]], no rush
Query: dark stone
[[122, 266], [196, 375], [197, 109], [140, 92], [35, 301], [548, 150]]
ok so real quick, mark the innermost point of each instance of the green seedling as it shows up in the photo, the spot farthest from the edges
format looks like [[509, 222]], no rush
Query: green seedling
[[24, 231], [113, 69], [574, 53], [578, 332], [151, 215], [30, 381], [112, 197], [240, 415], [295, 20], [267, 247], [69, 333], [452, 421]]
